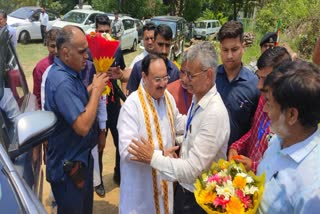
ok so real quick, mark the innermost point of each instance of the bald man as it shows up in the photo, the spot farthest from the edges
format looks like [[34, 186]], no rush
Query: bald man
[[69, 160]]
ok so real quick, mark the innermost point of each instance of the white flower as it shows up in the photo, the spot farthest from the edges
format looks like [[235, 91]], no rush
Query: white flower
[[250, 190], [249, 180], [211, 185], [223, 173], [241, 174], [226, 189]]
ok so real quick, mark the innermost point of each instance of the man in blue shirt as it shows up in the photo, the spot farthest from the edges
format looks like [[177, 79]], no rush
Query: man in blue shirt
[[162, 43], [236, 84], [291, 162], [69, 160]]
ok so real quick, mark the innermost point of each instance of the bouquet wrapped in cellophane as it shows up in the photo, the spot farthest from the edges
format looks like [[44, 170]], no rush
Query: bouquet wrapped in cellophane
[[103, 49], [228, 188]]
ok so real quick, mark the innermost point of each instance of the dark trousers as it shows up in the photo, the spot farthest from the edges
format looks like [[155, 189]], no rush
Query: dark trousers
[[113, 109], [43, 32], [70, 199], [185, 202]]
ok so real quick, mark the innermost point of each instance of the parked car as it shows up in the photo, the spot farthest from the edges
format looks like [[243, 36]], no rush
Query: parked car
[[179, 28], [21, 177], [83, 18], [129, 40], [26, 22], [205, 28], [139, 27]]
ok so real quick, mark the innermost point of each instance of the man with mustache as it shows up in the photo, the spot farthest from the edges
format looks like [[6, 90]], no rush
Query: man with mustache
[[291, 162], [162, 44], [69, 159], [236, 84], [151, 113]]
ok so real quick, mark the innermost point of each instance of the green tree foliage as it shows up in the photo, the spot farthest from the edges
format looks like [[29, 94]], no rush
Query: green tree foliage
[[192, 9], [300, 22]]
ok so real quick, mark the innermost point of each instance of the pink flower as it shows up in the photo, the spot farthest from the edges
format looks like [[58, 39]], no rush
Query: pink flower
[[220, 201], [215, 178], [246, 200]]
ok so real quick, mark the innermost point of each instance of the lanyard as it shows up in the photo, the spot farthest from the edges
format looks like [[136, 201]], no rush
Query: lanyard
[[262, 128], [190, 119], [185, 98]]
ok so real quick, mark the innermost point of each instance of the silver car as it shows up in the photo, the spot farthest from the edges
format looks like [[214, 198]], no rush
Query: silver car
[[23, 129]]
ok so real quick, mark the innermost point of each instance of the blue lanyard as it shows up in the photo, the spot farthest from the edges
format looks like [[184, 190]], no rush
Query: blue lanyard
[[190, 119], [185, 98], [262, 128]]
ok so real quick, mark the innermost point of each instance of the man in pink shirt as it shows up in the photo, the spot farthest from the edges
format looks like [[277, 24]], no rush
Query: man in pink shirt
[[250, 148]]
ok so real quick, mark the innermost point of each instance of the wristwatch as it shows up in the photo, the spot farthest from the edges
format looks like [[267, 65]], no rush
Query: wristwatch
[[103, 130]]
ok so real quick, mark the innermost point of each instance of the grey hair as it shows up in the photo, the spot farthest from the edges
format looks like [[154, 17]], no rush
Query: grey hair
[[205, 53], [184, 57]]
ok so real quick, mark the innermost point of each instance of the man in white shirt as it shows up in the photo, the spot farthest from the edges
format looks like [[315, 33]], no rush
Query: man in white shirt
[[206, 132], [151, 113], [44, 19], [117, 26]]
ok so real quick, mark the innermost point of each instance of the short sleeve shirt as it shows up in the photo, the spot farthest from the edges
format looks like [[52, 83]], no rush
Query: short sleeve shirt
[[67, 97]]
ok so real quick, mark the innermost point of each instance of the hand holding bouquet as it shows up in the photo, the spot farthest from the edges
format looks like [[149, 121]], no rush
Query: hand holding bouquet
[[103, 49], [227, 188]]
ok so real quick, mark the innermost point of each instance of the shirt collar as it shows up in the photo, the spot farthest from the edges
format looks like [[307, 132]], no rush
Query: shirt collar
[[59, 63], [243, 75], [206, 98], [300, 150]]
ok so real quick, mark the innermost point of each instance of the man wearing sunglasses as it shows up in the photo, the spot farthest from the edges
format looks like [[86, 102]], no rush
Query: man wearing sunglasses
[[162, 44], [113, 107]]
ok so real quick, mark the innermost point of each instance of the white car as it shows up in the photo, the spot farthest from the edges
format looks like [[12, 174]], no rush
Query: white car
[[83, 18], [25, 20], [129, 40], [205, 28]]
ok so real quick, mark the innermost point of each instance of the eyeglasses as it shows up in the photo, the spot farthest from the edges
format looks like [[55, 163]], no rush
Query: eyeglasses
[[191, 76], [160, 79], [103, 31]]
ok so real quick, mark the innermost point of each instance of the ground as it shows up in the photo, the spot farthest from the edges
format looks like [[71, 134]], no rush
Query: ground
[[29, 55]]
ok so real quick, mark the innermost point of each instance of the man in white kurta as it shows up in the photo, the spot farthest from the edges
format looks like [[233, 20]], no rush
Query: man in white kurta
[[151, 113]]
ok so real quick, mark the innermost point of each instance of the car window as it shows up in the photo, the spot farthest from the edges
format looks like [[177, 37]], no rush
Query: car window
[[22, 13], [8, 196], [75, 17], [92, 18], [128, 24], [172, 25], [36, 15], [52, 16], [200, 25]]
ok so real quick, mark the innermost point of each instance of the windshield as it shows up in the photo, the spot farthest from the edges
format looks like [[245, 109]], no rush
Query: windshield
[[201, 24], [173, 25], [75, 17], [22, 13]]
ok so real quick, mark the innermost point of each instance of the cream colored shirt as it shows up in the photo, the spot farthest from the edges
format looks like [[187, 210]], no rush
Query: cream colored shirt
[[205, 142]]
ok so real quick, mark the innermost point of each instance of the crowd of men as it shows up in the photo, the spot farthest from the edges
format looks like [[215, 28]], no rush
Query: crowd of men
[[165, 139]]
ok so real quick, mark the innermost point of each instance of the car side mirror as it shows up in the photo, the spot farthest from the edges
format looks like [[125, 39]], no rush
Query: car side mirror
[[32, 128]]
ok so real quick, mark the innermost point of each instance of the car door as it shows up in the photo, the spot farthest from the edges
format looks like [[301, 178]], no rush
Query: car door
[[128, 35], [35, 32]]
